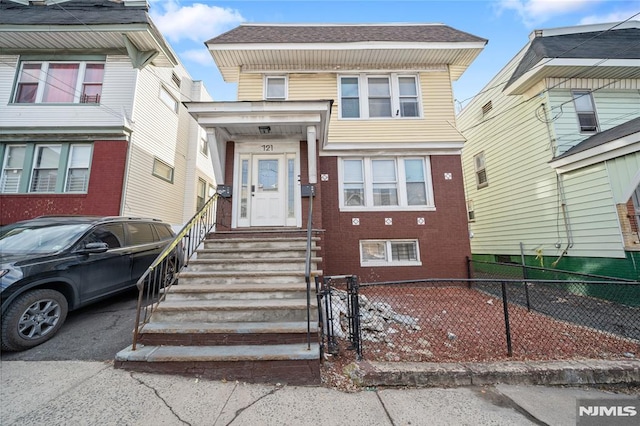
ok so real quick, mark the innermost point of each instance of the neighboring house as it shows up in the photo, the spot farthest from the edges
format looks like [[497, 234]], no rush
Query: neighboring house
[[552, 158], [91, 114], [362, 115]]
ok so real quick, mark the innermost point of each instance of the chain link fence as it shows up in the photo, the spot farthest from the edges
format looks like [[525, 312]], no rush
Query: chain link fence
[[483, 319]]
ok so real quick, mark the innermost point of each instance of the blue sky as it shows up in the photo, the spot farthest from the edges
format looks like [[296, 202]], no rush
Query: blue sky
[[505, 23]]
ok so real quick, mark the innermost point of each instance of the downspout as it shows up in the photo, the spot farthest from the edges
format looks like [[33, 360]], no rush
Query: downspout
[[560, 188]]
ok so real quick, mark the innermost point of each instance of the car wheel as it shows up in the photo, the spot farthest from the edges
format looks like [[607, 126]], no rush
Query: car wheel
[[32, 319]]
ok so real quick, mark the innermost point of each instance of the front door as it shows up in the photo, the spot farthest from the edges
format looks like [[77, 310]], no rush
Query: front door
[[268, 185], [268, 190]]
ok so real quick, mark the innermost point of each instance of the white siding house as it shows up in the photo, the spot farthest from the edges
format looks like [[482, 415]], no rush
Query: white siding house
[[551, 159]]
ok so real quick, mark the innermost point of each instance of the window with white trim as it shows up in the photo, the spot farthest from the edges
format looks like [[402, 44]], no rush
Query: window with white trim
[[389, 253], [275, 88], [481, 170], [204, 146], [45, 168], [168, 99], [162, 170], [585, 110], [379, 96], [201, 194], [59, 82], [386, 183]]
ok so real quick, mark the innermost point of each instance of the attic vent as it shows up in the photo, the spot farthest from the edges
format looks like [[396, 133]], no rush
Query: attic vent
[[175, 79], [486, 108]]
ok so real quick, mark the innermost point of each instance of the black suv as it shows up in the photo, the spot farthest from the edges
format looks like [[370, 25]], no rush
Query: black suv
[[51, 265]]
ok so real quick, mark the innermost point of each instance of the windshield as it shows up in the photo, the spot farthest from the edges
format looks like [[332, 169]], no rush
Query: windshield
[[30, 239]]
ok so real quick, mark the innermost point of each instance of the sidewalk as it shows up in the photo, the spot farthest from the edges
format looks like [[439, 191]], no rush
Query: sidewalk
[[94, 393]]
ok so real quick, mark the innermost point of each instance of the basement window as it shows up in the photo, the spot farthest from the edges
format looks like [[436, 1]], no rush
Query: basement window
[[389, 253]]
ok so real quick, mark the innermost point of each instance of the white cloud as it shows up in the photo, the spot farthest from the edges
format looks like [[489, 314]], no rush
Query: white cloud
[[611, 17], [533, 12], [197, 21], [199, 56]]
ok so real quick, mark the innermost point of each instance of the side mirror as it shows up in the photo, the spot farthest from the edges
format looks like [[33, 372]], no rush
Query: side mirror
[[94, 248]]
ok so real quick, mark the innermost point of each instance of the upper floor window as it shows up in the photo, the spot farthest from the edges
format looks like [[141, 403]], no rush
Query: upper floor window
[[481, 170], [49, 168], [275, 88], [168, 99], [386, 183], [379, 96], [59, 82], [201, 194], [586, 111]]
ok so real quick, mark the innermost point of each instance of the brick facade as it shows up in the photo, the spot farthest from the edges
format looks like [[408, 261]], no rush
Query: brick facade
[[443, 239], [103, 196]]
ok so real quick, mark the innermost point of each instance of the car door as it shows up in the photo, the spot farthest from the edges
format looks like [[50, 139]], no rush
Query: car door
[[144, 246], [101, 274]]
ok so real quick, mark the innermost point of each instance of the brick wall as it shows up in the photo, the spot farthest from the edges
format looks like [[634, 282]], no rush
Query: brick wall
[[103, 196], [443, 239]]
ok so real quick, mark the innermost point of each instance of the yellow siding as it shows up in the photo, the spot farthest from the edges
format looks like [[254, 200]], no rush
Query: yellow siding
[[436, 125]]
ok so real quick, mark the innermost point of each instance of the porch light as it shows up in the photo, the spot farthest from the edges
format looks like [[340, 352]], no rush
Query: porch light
[[264, 130]]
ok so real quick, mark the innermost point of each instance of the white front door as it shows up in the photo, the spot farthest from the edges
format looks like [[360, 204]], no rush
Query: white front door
[[268, 190], [267, 185]]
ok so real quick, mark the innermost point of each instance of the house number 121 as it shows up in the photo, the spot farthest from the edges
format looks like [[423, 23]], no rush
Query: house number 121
[[267, 147]]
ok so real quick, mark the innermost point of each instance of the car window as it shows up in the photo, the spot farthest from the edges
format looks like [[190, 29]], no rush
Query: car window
[[29, 238], [140, 233], [164, 231], [112, 234]]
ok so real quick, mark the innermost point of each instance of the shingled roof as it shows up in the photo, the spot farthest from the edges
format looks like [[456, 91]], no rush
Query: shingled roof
[[347, 33], [625, 129], [75, 12], [613, 44]]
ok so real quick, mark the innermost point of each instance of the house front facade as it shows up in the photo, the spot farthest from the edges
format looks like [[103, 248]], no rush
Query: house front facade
[[552, 159], [357, 119], [91, 115]]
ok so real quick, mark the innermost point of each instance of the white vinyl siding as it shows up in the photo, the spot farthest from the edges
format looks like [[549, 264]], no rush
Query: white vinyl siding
[[523, 204], [614, 107], [114, 109]]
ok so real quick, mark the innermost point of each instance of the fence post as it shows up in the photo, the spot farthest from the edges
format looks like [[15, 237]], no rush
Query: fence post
[[354, 310], [506, 318], [524, 276], [468, 270]]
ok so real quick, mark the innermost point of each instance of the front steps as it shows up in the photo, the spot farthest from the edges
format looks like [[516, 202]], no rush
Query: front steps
[[238, 313]]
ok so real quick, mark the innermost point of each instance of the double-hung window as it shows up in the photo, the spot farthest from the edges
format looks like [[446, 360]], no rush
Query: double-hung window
[[45, 168], [481, 170], [379, 96], [386, 183], [59, 82], [586, 111]]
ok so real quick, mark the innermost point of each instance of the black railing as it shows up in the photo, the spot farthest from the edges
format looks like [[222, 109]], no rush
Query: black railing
[[485, 319], [338, 304], [163, 272], [307, 269]]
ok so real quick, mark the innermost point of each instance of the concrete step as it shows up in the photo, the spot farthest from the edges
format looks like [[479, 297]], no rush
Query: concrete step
[[227, 333], [211, 311], [235, 277], [248, 253], [292, 364], [239, 291], [271, 264], [257, 243]]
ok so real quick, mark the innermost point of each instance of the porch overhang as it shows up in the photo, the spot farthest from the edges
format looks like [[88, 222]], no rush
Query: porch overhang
[[253, 121]]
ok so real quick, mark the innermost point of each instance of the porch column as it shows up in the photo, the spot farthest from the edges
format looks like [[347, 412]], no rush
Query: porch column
[[218, 153], [311, 155]]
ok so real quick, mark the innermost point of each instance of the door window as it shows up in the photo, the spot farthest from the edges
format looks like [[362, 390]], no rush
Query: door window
[[268, 175], [111, 234], [140, 233]]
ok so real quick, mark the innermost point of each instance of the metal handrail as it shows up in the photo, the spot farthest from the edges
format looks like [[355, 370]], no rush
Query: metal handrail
[[307, 271], [163, 271]]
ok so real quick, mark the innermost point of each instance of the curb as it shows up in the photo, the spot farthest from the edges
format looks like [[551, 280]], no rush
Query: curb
[[575, 372]]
